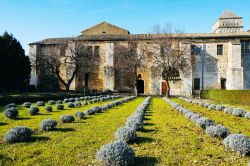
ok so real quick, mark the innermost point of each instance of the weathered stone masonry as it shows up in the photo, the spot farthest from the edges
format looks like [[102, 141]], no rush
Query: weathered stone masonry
[[222, 59]]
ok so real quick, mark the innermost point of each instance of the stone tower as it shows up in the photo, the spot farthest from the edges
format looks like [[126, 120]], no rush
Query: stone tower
[[228, 22]]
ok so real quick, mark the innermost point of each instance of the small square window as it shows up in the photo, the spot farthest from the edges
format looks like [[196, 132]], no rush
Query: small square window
[[195, 50], [219, 49]]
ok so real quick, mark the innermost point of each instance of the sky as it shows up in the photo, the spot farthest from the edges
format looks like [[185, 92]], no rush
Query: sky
[[35, 20]]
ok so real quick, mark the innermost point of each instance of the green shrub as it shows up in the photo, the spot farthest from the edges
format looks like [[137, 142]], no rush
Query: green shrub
[[48, 124], [34, 111], [60, 107], [11, 113], [116, 153], [18, 134], [67, 119], [228, 96], [48, 108]]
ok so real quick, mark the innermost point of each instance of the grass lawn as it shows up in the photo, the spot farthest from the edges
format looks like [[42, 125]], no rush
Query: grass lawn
[[168, 138], [233, 123], [70, 144], [245, 107], [171, 139]]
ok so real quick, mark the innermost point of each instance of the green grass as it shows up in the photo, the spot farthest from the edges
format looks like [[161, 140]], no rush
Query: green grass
[[234, 124], [171, 139], [243, 106], [168, 138], [70, 144]]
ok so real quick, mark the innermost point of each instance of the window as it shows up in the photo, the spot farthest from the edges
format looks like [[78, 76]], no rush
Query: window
[[195, 50], [219, 49], [197, 84], [245, 46], [223, 83], [86, 79], [96, 51], [89, 49]]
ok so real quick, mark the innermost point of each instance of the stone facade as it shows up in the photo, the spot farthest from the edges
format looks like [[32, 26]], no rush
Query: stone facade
[[222, 59], [228, 22], [105, 28]]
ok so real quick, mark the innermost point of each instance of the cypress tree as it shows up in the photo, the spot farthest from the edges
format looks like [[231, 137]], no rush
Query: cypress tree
[[15, 67]]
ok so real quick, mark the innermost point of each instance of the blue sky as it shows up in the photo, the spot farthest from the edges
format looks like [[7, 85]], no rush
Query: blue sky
[[34, 20]]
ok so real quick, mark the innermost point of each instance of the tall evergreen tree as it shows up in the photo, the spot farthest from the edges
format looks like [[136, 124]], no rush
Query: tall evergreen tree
[[15, 67]]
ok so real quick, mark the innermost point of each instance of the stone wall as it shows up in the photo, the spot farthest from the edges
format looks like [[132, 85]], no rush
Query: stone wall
[[103, 75], [214, 66], [246, 67], [32, 56], [105, 28], [109, 73], [235, 69], [228, 25]]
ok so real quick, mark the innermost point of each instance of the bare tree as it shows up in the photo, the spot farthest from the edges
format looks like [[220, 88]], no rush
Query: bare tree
[[64, 60], [170, 52], [130, 60]]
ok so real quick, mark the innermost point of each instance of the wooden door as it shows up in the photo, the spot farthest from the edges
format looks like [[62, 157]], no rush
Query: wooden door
[[164, 88]]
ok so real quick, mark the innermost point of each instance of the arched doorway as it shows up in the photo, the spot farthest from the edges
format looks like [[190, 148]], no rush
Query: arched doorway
[[140, 84]]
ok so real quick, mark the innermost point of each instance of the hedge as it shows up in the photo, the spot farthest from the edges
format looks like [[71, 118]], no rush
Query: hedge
[[228, 96]]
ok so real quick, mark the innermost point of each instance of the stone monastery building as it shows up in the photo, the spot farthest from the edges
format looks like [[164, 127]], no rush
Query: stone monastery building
[[222, 60]]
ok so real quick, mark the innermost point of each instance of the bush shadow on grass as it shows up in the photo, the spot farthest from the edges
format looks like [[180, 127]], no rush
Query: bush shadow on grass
[[148, 130], [148, 113], [21, 118], [3, 124], [38, 139], [88, 117], [44, 114], [147, 119], [64, 129], [142, 140], [149, 124], [100, 112], [149, 161]]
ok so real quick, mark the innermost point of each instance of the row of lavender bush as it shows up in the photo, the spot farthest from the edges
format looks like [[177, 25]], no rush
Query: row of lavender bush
[[23, 133], [11, 110], [235, 142], [118, 152], [238, 112]]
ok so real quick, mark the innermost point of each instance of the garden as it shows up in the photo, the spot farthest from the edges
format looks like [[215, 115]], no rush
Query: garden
[[124, 130]]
